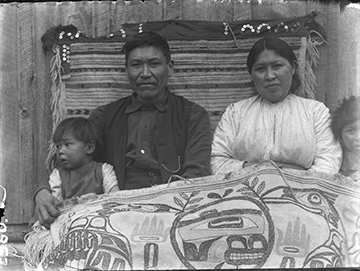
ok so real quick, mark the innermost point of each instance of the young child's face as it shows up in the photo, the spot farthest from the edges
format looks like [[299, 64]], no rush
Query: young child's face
[[351, 137], [72, 153]]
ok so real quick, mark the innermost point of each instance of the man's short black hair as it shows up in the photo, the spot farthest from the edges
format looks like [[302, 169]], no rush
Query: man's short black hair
[[147, 39]]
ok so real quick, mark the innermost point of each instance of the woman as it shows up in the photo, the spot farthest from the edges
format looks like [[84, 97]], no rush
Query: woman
[[276, 124]]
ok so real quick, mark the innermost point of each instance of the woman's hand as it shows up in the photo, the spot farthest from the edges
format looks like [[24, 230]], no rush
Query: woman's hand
[[248, 164], [286, 165], [279, 164], [46, 207]]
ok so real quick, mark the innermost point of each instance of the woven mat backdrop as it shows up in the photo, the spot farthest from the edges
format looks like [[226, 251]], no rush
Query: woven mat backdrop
[[210, 62], [261, 217], [211, 73]]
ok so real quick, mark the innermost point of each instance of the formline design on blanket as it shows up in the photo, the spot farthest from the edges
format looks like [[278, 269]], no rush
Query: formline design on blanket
[[261, 217]]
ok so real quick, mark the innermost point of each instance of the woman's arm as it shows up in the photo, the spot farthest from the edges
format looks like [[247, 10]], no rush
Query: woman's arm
[[222, 160], [328, 156]]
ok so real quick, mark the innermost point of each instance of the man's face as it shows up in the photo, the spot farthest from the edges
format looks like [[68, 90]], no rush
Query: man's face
[[148, 73]]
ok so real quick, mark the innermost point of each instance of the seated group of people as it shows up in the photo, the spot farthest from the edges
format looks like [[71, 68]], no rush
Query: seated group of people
[[154, 136]]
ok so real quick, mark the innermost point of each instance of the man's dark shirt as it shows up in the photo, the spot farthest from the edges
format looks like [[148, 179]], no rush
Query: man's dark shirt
[[141, 158]]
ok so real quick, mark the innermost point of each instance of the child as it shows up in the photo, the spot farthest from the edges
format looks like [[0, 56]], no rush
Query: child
[[346, 128], [77, 174]]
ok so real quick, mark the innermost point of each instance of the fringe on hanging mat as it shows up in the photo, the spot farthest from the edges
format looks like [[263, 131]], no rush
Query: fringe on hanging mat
[[301, 68], [311, 59], [57, 101], [39, 244]]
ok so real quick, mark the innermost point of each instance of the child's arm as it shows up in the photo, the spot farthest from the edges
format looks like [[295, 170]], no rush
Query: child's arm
[[55, 184], [110, 183]]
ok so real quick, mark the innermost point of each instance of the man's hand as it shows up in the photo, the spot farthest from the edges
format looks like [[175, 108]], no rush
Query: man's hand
[[45, 208]]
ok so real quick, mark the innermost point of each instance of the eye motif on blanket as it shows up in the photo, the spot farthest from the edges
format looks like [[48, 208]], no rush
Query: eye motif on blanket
[[259, 220]]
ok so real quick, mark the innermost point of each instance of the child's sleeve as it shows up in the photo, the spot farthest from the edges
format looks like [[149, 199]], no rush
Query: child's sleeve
[[109, 178], [55, 184]]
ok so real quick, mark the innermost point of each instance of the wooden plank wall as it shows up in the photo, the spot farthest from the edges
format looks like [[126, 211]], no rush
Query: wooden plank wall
[[25, 117]]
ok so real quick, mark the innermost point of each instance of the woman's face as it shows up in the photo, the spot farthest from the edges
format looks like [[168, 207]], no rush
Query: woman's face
[[272, 76]]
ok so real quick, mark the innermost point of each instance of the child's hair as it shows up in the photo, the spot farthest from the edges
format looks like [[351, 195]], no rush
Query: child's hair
[[82, 129], [347, 112]]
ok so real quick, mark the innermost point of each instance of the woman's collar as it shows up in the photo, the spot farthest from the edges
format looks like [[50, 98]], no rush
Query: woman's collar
[[287, 97]]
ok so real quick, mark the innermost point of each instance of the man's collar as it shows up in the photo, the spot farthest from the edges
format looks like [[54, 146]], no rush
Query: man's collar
[[136, 105]]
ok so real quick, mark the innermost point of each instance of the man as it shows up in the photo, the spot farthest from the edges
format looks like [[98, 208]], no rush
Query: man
[[151, 135]]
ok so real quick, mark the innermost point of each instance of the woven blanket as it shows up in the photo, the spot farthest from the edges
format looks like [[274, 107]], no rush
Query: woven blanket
[[261, 217], [210, 62]]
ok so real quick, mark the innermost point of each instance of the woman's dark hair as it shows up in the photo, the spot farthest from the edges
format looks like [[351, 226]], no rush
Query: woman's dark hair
[[147, 39], [281, 48], [347, 112], [82, 129]]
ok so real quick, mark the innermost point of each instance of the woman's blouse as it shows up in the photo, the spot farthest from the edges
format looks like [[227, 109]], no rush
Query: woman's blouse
[[295, 131]]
